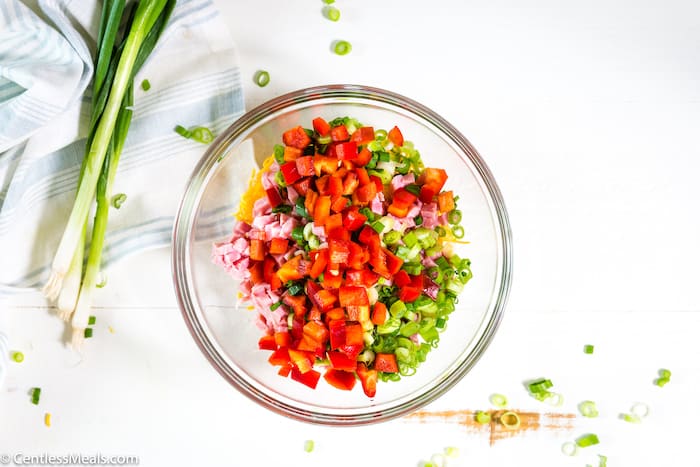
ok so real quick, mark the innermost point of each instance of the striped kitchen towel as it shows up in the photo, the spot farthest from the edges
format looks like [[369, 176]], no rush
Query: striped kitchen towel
[[45, 69]]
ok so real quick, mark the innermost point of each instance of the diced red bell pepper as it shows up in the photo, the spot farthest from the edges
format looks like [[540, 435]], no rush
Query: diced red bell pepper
[[321, 126], [269, 267], [334, 221], [297, 330], [368, 236], [363, 135], [256, 272], [358, 312], [257, 250], [279, 357], [338, 251], [340, 361], [322, 209], [285, 370], [363, 157], [302, 186], [332, 282], [279, 246], [302, 360], [431, 181], [393, 262], [401, 279], [310, 378], [446, 201], [283, 338], [354, 334], [324, 164], [409, 294], [352, 351], [267, 342], [365, 193], [403, 197], [338, 233], [346, 151], [336, 328], [335, 186], [310, 202], [352, 295], [319, 296], [294, 269], [322, 184], [379, 313], [377, 183], [319, 264], [362, 176], [358, 256], [311, 345], [339, 203], [305, 166], [350, 183], [353, 219], [317, 331], [273, 196], [385, 362], [314, 314], [395, 136], [339, 379], [398, 211], [296, 137], [291, 154], [334, 313], [296, 302], [363, 277], [290, 172], [339, 133], [368, 379]]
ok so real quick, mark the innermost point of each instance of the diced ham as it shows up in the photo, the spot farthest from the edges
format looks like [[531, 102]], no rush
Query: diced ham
[[428, 262], [415, 209], [402, 223], [292, 194], [262, 298], [240, 228], [401, 181], [261, 221], [319, 231], [377, 204], [261, 207], [268, 178], [244, 290], [430, 215]]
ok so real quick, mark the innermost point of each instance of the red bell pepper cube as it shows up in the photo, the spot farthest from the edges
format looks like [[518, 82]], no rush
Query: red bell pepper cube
[[319, 264], [339, 379], [336, 328], [310, 345], [352, 295], [305, 166], [267, 343], [385, 362], [310, 378], [368, 236], [353, 219], [273, 196], [363, 135], [320, 297], [395, 136], [340, 361], [358, 312], [324, 164], [314, 314], [358, 256], [291, 154], [317, 331], [377, 183], [294, 269], [365, 193], [335, 186], [368, 379], [409, 294], [331, 282], [310, 201], [339, 133], [379, 313], [401, 279], [362, 176], [322, 184], [297, 330], [352, 351], [431, 181], [283, 338], [257, 250], [398, 211], [279, 357], [334, 313], [338, 204], [338, 233], [346, 151], [269, 268], [446, 201], [354, 334], [289, 172], [296, 138], [403, 197], [363, 157], [256, 272], [296, 302], [321, 126], [338, 251], [302, 360], [322, 209], [279, 246], [393, 262], [350, 183], [334, 221], [284, 370], [302, 186]]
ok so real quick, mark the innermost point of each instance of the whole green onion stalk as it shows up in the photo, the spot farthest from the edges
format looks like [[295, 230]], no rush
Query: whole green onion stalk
[[111, 116]]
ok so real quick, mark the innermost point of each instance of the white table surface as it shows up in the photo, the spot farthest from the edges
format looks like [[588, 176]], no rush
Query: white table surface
[[588, 115]]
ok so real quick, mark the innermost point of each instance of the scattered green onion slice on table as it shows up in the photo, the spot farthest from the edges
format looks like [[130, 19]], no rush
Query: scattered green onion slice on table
[[483, 417], [588, 409], [540, 386], [640, 410], [262, 78], [88, 333], [202, 135], [328, 2], [92, 320], [664, 377], [630, 418], [332, 13], [342, 47], [36, 395], [554, 399], [117, 200], [309, 445], [588, 349], [145, 85], [17, 357], [569, 448], [498, 400], [510, 420], [586, 440], [452, 451]]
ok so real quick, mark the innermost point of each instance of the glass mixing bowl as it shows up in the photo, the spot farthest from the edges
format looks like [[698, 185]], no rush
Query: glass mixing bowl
[[225, 330]]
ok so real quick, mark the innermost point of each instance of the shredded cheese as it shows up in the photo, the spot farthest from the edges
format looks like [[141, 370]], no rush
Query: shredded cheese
[[47, 419], [254, 192]]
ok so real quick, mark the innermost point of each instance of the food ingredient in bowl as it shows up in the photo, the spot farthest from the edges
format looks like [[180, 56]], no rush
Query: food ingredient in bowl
[[343, 245]]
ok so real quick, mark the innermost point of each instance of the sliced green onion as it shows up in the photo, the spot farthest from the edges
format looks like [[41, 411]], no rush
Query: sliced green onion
[[418, 219], [392, 237], [87, 333], [295, 288], [308, 445], [384, 156], [454, 216], [17, 357], [275, 305], [332, 13], [640, 410], [202, 135], [539, 386], [298, 234], [377, 226], [569, 448], [92, 320], [182, 131], [145, 85], [261, 78], [342, 47], [554, 399], [282, 208], [588, 409], [117, 200], [452, 451], [483, 417], [586, 440], [36, 395], [661, 382], [630, 418], [367, 212], [664, 373], [602, 461], [458, 231], [498, 400], [278, 152], [440, 231], [510, 420], [588, 349], [413, 189]]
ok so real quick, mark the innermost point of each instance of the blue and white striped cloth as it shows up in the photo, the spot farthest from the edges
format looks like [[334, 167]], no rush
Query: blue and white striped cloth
[[45, 69]]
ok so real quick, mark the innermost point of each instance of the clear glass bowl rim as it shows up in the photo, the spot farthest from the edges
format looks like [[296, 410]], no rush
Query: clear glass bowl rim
[[182, 230]]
